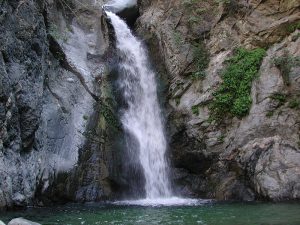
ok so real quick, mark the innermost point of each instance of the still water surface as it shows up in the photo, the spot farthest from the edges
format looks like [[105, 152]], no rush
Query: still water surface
[[206, 214]]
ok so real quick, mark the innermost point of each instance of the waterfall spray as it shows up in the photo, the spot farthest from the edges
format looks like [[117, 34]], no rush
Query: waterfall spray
[[142, 116]]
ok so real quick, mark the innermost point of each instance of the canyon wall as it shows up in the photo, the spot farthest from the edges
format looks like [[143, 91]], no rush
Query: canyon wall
[[60, 136], [250, 149], [57, 120]]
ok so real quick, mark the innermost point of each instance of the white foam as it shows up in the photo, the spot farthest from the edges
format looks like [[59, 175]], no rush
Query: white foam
[[173, 201], [142, 116], [118, 5]]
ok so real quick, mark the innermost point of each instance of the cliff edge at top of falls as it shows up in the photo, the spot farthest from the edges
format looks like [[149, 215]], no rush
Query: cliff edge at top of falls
[[248, 148]]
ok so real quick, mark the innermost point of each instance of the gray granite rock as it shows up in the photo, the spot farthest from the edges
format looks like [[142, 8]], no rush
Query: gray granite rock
[[51, 64], [224, 154], [22, 221]]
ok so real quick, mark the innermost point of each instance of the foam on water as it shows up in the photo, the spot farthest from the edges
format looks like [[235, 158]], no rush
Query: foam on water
[[173, 201]]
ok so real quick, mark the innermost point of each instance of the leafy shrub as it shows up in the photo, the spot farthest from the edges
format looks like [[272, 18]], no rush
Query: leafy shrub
[[233, 97]]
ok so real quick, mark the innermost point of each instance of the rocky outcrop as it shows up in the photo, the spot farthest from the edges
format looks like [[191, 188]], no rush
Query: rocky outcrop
[[54, 55], [21, 221], [256, 156], [60, 138]]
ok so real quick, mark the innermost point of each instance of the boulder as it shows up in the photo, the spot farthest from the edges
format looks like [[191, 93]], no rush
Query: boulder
[[22, 221]]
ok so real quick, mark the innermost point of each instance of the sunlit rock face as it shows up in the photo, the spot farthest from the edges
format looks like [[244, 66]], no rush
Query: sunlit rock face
[[236, 159]]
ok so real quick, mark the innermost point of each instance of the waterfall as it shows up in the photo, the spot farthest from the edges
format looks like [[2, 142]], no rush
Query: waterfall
[[142, 116], [118, 5]]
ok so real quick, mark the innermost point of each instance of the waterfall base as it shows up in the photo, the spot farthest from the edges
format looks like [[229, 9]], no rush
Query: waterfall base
[[172, 201]]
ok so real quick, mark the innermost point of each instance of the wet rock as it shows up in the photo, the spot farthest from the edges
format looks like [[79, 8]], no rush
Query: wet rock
[[22, 221], [130, 15]]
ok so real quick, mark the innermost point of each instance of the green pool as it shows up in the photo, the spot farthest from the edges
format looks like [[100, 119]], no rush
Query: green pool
[[206, 214]]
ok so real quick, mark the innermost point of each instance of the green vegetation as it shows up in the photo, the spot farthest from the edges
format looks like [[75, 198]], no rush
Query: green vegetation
[[57, 34], [177, 101], [223, 1], [232, 7], [233, 97], [294, 103], [201, 57], [295, 37], [177, 37], [194, 11], [189, 3], [285, 63], [109, 115], [294, 26], [270, 113], [221, 138], [279, 97], [195, 110], [194, 19]]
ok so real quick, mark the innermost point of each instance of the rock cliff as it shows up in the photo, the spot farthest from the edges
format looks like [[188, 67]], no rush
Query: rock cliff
[[241, 145], [232, 134], [57, 118]]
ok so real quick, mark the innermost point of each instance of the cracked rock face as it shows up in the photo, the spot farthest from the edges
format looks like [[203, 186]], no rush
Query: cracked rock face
[[51, 64], [249, 158]]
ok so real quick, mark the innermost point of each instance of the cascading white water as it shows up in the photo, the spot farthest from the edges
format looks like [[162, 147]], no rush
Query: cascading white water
[[142, 116], [118, 5]]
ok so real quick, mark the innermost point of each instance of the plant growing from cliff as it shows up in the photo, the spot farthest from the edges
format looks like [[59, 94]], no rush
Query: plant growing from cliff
[[285, 63], [189, 3], [294, 103], [294, 26], [177, 38], [107, 112], [194, 19], [195, 110], [177, 101], [232, 7], [233, 97], [280, 98], [57, 34], [222, 1], [201, 58]]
